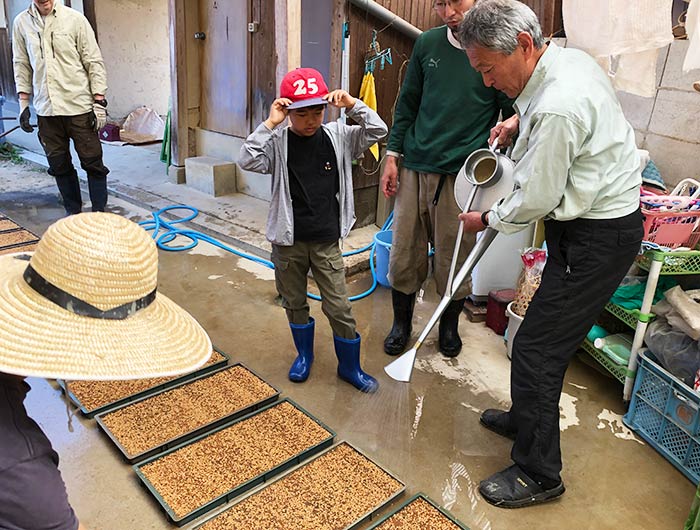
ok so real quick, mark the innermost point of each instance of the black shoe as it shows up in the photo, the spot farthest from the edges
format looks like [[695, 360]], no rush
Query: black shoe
[[513, 488], [498, 421], [450, 343], [395, 342]]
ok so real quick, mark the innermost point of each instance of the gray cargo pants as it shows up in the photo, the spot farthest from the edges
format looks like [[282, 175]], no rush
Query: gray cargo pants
[[417, 222]]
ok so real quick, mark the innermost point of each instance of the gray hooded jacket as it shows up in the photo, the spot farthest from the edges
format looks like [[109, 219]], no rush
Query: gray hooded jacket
[[265, 151]]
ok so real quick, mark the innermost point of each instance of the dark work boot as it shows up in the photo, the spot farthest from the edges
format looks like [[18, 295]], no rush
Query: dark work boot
[[69, 186], [98, 192], [348, 353], [395, 342], [303, 335], [450, 343]]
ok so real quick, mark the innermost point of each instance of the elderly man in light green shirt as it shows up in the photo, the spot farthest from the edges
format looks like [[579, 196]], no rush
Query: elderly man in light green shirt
[[576, 167], [56, 59]]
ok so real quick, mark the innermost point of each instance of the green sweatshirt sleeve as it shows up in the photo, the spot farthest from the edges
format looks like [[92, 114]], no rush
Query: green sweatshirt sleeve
[[409, 100]]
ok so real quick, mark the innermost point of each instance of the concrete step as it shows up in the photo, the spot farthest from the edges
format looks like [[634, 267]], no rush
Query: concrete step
[[210, 175]]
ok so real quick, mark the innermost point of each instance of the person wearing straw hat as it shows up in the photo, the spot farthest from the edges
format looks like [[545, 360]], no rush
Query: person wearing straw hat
[[83, 306], [577, 167]]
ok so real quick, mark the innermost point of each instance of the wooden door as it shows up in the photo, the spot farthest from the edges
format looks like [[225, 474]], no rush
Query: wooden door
[[263, 61], [224, 66]]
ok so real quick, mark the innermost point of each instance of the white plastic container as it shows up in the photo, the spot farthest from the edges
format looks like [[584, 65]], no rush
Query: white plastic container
[[500, 265], [514, 321]]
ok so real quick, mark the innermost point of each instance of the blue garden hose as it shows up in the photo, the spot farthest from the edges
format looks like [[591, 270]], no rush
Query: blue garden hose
[[164, 239]]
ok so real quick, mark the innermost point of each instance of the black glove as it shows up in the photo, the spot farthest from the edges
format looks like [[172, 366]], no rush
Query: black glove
[[24, 116]]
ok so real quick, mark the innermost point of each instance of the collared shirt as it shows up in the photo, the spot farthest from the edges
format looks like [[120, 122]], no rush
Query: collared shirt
[[575, 155], [57, 59]]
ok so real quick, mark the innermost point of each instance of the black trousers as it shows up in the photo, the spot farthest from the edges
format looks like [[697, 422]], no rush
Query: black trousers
[[587, 259], [55, 133]]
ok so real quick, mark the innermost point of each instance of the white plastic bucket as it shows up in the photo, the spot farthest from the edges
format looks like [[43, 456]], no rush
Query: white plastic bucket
[[514, 321]]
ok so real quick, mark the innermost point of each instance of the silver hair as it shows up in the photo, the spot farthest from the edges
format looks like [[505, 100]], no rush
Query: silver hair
[[495, 25]]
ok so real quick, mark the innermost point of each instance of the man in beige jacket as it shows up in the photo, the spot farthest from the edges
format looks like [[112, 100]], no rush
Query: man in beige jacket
[[56, 59]]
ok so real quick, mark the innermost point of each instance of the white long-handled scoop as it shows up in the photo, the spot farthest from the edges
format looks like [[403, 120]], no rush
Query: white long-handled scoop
[[402, 368]]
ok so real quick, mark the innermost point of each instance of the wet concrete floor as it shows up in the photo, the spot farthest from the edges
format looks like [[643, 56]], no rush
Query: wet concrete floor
[[427, 433]]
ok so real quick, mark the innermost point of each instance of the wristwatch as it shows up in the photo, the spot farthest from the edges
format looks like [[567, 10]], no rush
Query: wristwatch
[[102, 102], [484, 220]]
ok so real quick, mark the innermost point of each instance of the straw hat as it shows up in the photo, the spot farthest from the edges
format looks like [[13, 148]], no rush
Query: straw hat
[[85, 307]]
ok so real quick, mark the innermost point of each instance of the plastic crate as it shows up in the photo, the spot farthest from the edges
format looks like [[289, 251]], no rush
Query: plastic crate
[[628, 316], [665, 412], [671, 229], [685, 262]]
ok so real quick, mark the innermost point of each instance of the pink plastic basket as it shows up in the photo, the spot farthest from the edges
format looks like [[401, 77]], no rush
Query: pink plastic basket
[[672, 229]]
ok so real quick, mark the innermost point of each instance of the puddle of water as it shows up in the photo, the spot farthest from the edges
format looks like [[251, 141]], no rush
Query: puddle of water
[[256, 269], [488, 374], [203, 249], [567, 411], [453, 488], [608, 419], [384, 420], [417, 416], [472, 408]]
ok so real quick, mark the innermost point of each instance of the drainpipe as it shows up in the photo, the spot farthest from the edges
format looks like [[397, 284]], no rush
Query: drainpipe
[[2, 127], [383, 14]]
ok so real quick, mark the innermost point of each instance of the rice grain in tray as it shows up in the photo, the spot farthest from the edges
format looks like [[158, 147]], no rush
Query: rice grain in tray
[[96, 394], [150, 424], [331, 492], [16, 237], [22, 248], [203, 470], [8, 224], [418, 514]]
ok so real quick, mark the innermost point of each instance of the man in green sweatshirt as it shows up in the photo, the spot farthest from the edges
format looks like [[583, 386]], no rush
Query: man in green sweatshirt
[[444, 113]]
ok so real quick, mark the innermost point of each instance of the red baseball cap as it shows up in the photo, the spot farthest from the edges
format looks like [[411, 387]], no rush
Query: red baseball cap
[[305, 87]]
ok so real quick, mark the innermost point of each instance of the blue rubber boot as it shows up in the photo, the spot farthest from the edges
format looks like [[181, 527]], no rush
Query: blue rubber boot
[[303, 335], [348, 353]]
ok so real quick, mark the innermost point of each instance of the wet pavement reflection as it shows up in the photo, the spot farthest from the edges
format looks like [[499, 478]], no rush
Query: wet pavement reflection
[[427, 432]]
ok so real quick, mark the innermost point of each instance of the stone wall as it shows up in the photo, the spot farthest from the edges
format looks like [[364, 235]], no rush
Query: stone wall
[[668, 125]]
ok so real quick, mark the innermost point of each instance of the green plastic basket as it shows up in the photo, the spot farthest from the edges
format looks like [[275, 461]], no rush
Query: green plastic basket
[[628, 316], [687, 262]]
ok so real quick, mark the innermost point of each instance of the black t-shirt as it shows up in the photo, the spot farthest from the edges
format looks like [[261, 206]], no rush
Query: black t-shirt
[[314, 185]]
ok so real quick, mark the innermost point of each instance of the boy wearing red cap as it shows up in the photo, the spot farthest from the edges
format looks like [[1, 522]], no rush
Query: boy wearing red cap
[[312, 208]]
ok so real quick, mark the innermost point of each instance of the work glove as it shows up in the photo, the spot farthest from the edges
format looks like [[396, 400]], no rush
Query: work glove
[[24, 116], [100, 114]]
